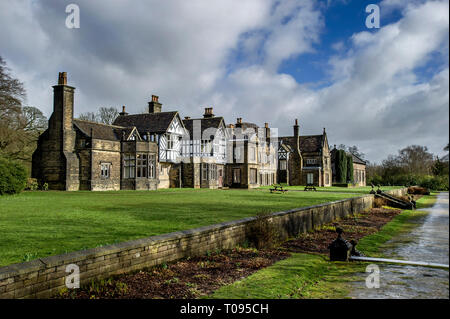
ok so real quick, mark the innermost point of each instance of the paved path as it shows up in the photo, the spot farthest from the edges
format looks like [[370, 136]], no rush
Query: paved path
[[429, 242]]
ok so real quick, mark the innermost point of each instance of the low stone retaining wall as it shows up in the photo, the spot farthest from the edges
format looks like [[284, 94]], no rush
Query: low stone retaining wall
[[45, 277]]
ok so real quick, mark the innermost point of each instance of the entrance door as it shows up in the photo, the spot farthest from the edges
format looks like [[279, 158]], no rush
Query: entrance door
[[220, 180], [236, 175], [310, 179]]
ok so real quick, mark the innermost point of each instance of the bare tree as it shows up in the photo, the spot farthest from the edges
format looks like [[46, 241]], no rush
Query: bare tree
[[19, 126], [352, 149], [416, 159], [355, 151], [88, 116], [12, 94], [105, 115]]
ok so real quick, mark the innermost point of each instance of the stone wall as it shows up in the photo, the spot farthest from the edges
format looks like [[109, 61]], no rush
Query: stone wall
[[45, 277]]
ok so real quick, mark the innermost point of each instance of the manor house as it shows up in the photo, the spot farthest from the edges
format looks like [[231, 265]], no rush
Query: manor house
[[159, 149]]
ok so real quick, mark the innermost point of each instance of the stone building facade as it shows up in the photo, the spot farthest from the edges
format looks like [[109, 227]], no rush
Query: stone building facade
[[80, 155], [304, 160], [157, 149], [252, 160]]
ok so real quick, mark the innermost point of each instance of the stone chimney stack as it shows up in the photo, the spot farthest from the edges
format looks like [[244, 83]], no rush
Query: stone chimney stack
[[267, 130], [62, 117], [62, 138], [123, 113], [154, 106], [62, 78], [296, 128], [208, 112]]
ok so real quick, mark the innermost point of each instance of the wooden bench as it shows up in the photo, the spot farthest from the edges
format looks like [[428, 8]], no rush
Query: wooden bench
[[278, 188], [310, 187]]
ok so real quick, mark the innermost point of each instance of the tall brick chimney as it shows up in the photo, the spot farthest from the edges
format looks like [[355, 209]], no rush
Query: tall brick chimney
[[123, 113], [62, 117], [296, 128], [267, 131], [62, 78], [62, 138], [154, 106], [208, 112]]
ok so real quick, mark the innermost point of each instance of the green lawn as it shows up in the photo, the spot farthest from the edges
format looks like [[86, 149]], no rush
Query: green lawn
[[312, 275], [334, 189], [39, 224]]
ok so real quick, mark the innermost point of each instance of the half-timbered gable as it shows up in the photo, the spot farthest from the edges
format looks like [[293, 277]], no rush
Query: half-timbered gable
[[164, 128], [204, 152]]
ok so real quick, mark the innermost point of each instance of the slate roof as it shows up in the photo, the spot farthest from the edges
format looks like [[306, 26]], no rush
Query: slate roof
[[308, 144], [100, 131], [205, 123], [147, 122], [358, 160], [246, 125], [355, 158]]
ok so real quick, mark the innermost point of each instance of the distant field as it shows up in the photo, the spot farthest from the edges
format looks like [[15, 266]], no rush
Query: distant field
[[39, 224]]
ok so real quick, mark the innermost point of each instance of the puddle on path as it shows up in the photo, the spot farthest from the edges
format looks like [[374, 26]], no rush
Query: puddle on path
[[430, 243]]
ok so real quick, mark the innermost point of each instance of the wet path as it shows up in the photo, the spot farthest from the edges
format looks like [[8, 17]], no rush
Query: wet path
[[430, 243]]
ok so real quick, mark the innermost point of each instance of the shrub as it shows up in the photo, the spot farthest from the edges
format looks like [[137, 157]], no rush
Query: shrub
[[13, 177], [32, 184], [45, 187], [379, 202], [416, 190], [261, 233], [437, 183]]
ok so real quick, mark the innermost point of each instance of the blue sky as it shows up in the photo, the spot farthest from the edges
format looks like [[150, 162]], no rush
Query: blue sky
[[262, 60]]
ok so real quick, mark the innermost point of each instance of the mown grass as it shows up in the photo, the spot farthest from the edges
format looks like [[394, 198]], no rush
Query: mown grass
[[333, 189], [39, 224], [312, 275]]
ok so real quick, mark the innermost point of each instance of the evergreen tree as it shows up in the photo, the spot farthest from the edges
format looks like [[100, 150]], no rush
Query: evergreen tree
[[349, 168], [341, 167]]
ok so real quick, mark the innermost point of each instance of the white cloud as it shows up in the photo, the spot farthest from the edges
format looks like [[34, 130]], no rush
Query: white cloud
[[185, 51]]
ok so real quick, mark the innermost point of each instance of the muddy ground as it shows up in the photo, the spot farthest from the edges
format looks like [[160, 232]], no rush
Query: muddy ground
[[199, 276]]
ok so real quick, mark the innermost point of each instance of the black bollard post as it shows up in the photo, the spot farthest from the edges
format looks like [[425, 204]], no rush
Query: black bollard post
[[339, 248]]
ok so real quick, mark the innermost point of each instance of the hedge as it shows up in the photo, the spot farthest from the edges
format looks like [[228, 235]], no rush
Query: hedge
[[13, 177]]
